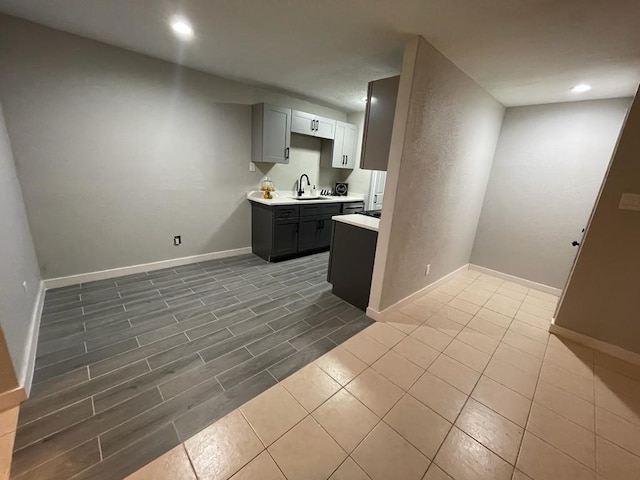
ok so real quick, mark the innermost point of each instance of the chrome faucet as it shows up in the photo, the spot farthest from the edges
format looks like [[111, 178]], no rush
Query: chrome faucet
[[300, 187]]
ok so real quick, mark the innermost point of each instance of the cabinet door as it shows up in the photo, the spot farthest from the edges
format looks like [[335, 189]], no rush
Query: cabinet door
[[276, 134], [349, 145], [378, 123], [303, 123], [309, 233], [325, 128], [324, 232], [339, 159], [378, 180], [285, 237]]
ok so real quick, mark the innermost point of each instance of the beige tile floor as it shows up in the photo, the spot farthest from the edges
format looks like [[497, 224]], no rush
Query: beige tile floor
[[464, 383]]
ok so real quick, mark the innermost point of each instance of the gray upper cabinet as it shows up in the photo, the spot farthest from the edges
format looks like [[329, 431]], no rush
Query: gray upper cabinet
[[270, 133], [378, 123], [314, 125]]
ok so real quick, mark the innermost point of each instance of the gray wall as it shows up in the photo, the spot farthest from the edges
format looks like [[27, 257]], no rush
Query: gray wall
[[17, 264], [548, 168], [118, 152], [601, 299], [304, 158], [436, 182]]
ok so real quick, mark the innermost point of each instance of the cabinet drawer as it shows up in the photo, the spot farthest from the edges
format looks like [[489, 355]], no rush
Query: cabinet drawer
[[320, 209], [288, 211], [355, 207], [331, 209]]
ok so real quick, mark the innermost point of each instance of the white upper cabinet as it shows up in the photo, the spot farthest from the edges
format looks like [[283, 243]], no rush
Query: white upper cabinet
[[270, 133], [325, 128], [349, 145], [342, 152], [314, 125]]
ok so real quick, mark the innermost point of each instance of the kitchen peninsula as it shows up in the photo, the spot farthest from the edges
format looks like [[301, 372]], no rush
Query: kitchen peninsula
[[353, 250]]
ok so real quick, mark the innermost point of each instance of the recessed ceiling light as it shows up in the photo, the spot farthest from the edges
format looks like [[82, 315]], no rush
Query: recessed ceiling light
[[583, 87], [182, 28]]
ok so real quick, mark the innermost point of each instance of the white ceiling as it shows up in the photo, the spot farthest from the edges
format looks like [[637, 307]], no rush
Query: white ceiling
[[521, 51]]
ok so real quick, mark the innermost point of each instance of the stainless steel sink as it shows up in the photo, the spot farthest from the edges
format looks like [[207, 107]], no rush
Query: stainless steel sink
[[302, 199]]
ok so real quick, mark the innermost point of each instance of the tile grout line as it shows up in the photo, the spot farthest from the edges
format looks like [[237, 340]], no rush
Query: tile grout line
[[526, 423], [100, 450]]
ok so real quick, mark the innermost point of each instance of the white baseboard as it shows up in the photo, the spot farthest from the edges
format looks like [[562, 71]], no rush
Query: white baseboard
[[376, 315], [521, 281], [144, 267], [601, 346], [25, 377]]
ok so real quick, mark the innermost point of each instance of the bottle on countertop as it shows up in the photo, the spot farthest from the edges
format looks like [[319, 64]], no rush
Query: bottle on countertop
[[314, 193], [267, 187]]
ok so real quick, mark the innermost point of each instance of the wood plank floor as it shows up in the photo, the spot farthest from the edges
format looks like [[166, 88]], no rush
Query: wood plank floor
[[127, 368]]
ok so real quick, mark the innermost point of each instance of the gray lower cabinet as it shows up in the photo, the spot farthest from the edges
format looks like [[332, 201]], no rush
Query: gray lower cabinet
[[353, 251], [285, 237], [314, 233], [281, 232]]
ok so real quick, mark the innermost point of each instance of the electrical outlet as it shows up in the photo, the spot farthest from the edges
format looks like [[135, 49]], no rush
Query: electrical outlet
[[24, 287], [427, 270], [177, 240], [252, 167]]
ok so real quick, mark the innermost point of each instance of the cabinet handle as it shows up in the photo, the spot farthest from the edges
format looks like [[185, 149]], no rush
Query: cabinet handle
[[312, 125], [297, 227], [346, 159], [286, 153], [375, 199]]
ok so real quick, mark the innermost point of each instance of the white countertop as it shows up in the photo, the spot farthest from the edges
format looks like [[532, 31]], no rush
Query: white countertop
[[284, 198], [362, 221]]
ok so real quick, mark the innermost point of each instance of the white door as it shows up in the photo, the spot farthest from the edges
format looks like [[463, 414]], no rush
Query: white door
[[376, 195]]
